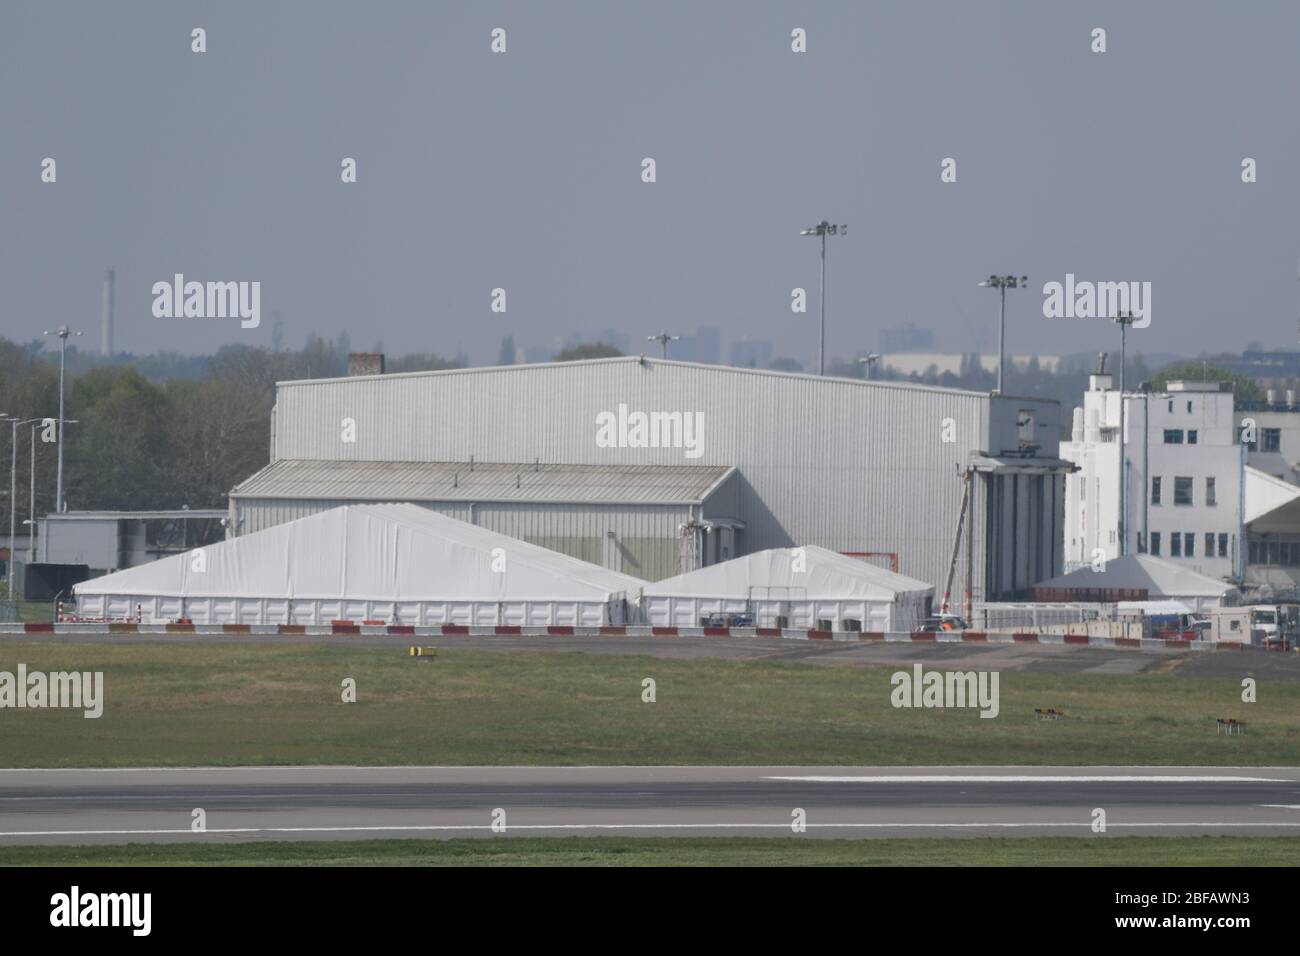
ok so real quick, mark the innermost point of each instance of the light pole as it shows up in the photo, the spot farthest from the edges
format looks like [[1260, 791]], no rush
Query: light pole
[[1124, 321], [31, 505], [62, 332], [663, 338], [868, 363], [823, 229], [1002, 283], [13, 490]]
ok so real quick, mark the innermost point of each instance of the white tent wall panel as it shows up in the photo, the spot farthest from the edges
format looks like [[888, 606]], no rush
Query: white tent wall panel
[[906, 614], [154, 610]]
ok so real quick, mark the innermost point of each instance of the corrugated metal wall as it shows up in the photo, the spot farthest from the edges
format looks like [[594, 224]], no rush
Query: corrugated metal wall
[[643, 543]]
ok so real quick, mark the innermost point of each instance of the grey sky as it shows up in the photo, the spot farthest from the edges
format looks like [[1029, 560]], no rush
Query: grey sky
[[523, 170]]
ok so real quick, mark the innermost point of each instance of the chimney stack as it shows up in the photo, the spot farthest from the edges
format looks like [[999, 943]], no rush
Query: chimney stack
[[107, 306]]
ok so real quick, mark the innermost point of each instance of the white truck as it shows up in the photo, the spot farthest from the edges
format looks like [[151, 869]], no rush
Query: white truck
[[1228, 625], [1274, 625]]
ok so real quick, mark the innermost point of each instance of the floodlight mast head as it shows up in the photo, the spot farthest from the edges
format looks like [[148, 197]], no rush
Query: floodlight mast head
[[663, 338]]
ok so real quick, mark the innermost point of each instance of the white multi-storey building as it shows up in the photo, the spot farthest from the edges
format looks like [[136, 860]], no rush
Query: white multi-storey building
[[1182, 477]]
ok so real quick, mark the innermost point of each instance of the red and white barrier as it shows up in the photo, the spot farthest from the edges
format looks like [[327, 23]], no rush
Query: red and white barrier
[[340, 628]]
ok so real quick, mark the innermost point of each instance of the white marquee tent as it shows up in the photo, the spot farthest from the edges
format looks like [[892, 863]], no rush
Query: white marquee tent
[[396, 563], [792, 587], [1161, 579]]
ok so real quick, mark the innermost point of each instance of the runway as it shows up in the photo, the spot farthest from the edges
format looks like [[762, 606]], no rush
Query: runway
[[279, 803]]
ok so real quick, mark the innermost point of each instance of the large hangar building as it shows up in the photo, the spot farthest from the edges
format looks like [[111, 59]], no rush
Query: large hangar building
[[655, 468]]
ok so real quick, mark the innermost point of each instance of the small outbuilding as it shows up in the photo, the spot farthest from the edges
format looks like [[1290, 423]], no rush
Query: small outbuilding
[[389, 563], [807, 587]]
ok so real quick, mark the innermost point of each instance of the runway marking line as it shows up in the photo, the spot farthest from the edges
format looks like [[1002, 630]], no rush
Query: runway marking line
[[627, 826], [996, 778]]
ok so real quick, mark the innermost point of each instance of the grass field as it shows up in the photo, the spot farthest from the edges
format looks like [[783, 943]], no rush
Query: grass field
[[700, 851], [227, 704]]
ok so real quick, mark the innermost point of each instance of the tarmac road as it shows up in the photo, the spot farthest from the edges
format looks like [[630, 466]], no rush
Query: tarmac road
[[278, 803]]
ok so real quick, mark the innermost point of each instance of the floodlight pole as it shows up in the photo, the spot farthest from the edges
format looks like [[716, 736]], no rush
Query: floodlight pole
[[13, 491], [31, 506], [823, 229], [62, 332], [1002, 283], [821, 305], [1123, 321]]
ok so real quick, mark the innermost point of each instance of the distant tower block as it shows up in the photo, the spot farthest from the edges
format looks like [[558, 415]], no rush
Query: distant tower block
[[106, 313]]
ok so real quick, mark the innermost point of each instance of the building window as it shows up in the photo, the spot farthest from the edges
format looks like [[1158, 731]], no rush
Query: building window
[[1175, 545], [1155, 490], [1142, 543], [1209, 544], [1253, 553], [1189, 544], [1191, 436], [1272, 439], [1182, 491], [1209, 492], [1223, 545], [1173, 436], [1189, 408], [1155, 543], [1171, 405]]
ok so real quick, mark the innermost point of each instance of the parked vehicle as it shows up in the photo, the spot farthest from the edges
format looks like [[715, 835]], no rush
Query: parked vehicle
[[944, 622], [1231, 625]]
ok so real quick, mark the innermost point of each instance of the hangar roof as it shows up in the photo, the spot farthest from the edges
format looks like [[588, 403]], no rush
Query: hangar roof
[[485, 481], [719, 371]]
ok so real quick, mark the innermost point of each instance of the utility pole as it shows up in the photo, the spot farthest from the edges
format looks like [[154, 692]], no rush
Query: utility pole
[[823, 229]]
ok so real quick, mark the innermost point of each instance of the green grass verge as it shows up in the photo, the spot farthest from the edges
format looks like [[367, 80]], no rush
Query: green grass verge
[[689, 851], [229, 704]]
